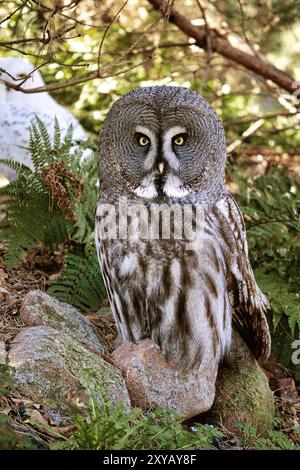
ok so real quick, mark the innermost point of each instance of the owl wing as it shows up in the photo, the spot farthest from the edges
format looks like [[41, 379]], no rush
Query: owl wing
[[247, 301]]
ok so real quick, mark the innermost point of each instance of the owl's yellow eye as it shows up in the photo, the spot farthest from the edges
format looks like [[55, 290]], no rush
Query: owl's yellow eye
[[179, 139], [142, 140]]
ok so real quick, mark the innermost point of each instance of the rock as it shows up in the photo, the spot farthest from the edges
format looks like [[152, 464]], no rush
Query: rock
[[242, 391], [243, 394], [153, 382], [3, 353], [39, 309], [50, 365], [52, 356], [242, 398]]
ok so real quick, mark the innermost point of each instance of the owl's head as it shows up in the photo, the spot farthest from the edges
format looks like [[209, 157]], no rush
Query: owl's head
[[16, 70], [163, 142]]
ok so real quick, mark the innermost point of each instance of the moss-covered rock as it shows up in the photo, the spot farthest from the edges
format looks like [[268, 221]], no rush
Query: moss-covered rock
[[243, 394], [49, 359], [39, 308], [48, 365]]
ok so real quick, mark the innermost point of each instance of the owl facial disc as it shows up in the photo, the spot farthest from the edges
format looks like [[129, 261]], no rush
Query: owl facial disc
[[161, 162], [167, 143]]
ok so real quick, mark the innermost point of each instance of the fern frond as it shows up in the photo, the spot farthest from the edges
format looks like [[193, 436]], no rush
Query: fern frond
[[47, 145], [57, 137], [80, 282], [32, 215], [19, 168], [36, 148], [284, 301], [67, 144], [38, 206]]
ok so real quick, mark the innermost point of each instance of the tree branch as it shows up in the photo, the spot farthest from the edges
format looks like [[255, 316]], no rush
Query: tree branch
[[222, 46], [249, 150], [107, 72], [268, 116]]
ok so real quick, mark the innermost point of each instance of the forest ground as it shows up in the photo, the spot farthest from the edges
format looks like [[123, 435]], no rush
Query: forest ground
[[42, 265]]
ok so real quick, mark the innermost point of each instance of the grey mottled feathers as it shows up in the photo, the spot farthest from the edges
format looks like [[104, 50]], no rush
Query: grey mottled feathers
[[248, 302]]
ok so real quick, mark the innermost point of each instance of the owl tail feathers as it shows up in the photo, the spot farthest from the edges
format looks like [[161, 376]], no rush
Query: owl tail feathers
[[250, 320]]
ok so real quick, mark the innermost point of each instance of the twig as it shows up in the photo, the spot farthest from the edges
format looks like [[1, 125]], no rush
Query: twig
[[106, 32], [222, 46], [251, 129], [246, 120], [15, 11], [75, 81]]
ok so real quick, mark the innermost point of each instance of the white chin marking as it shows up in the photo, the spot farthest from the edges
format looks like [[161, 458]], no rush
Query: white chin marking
[[147, 188], [173, 187]]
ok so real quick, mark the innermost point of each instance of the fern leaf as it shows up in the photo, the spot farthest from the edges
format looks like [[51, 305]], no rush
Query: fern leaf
[[19, 168], [284, 301], [57, 137], [80, 283]]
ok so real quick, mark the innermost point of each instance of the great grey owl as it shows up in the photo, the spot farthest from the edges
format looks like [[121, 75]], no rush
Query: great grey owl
[[19, 110], [164, 146]]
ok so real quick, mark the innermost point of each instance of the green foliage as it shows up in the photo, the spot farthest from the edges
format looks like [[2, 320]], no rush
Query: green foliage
[[274, 439], [285, 301], [112, 427], [80, 283], [11, 440], [270, 205], [52, 204]]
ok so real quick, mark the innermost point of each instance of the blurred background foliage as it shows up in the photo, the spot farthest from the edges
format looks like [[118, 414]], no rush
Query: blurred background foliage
[[66, 38], [135, 47]]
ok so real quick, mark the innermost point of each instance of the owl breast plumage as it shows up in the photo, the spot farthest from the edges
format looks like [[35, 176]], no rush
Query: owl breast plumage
[[165, 147]]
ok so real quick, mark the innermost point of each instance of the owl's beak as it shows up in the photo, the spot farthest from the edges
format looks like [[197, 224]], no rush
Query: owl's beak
[[161, 167]]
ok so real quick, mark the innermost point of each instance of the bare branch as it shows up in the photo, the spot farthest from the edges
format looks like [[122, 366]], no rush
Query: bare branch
[[246, 120], [14, 11], [107, 72], [106, 32], [222, 46]]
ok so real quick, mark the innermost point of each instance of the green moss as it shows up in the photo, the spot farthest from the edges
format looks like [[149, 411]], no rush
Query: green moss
[[54, 364], [243, 397]]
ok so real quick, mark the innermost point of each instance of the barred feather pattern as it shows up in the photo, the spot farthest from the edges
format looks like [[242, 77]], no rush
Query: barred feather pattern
[[183, 299], [186, 300]]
